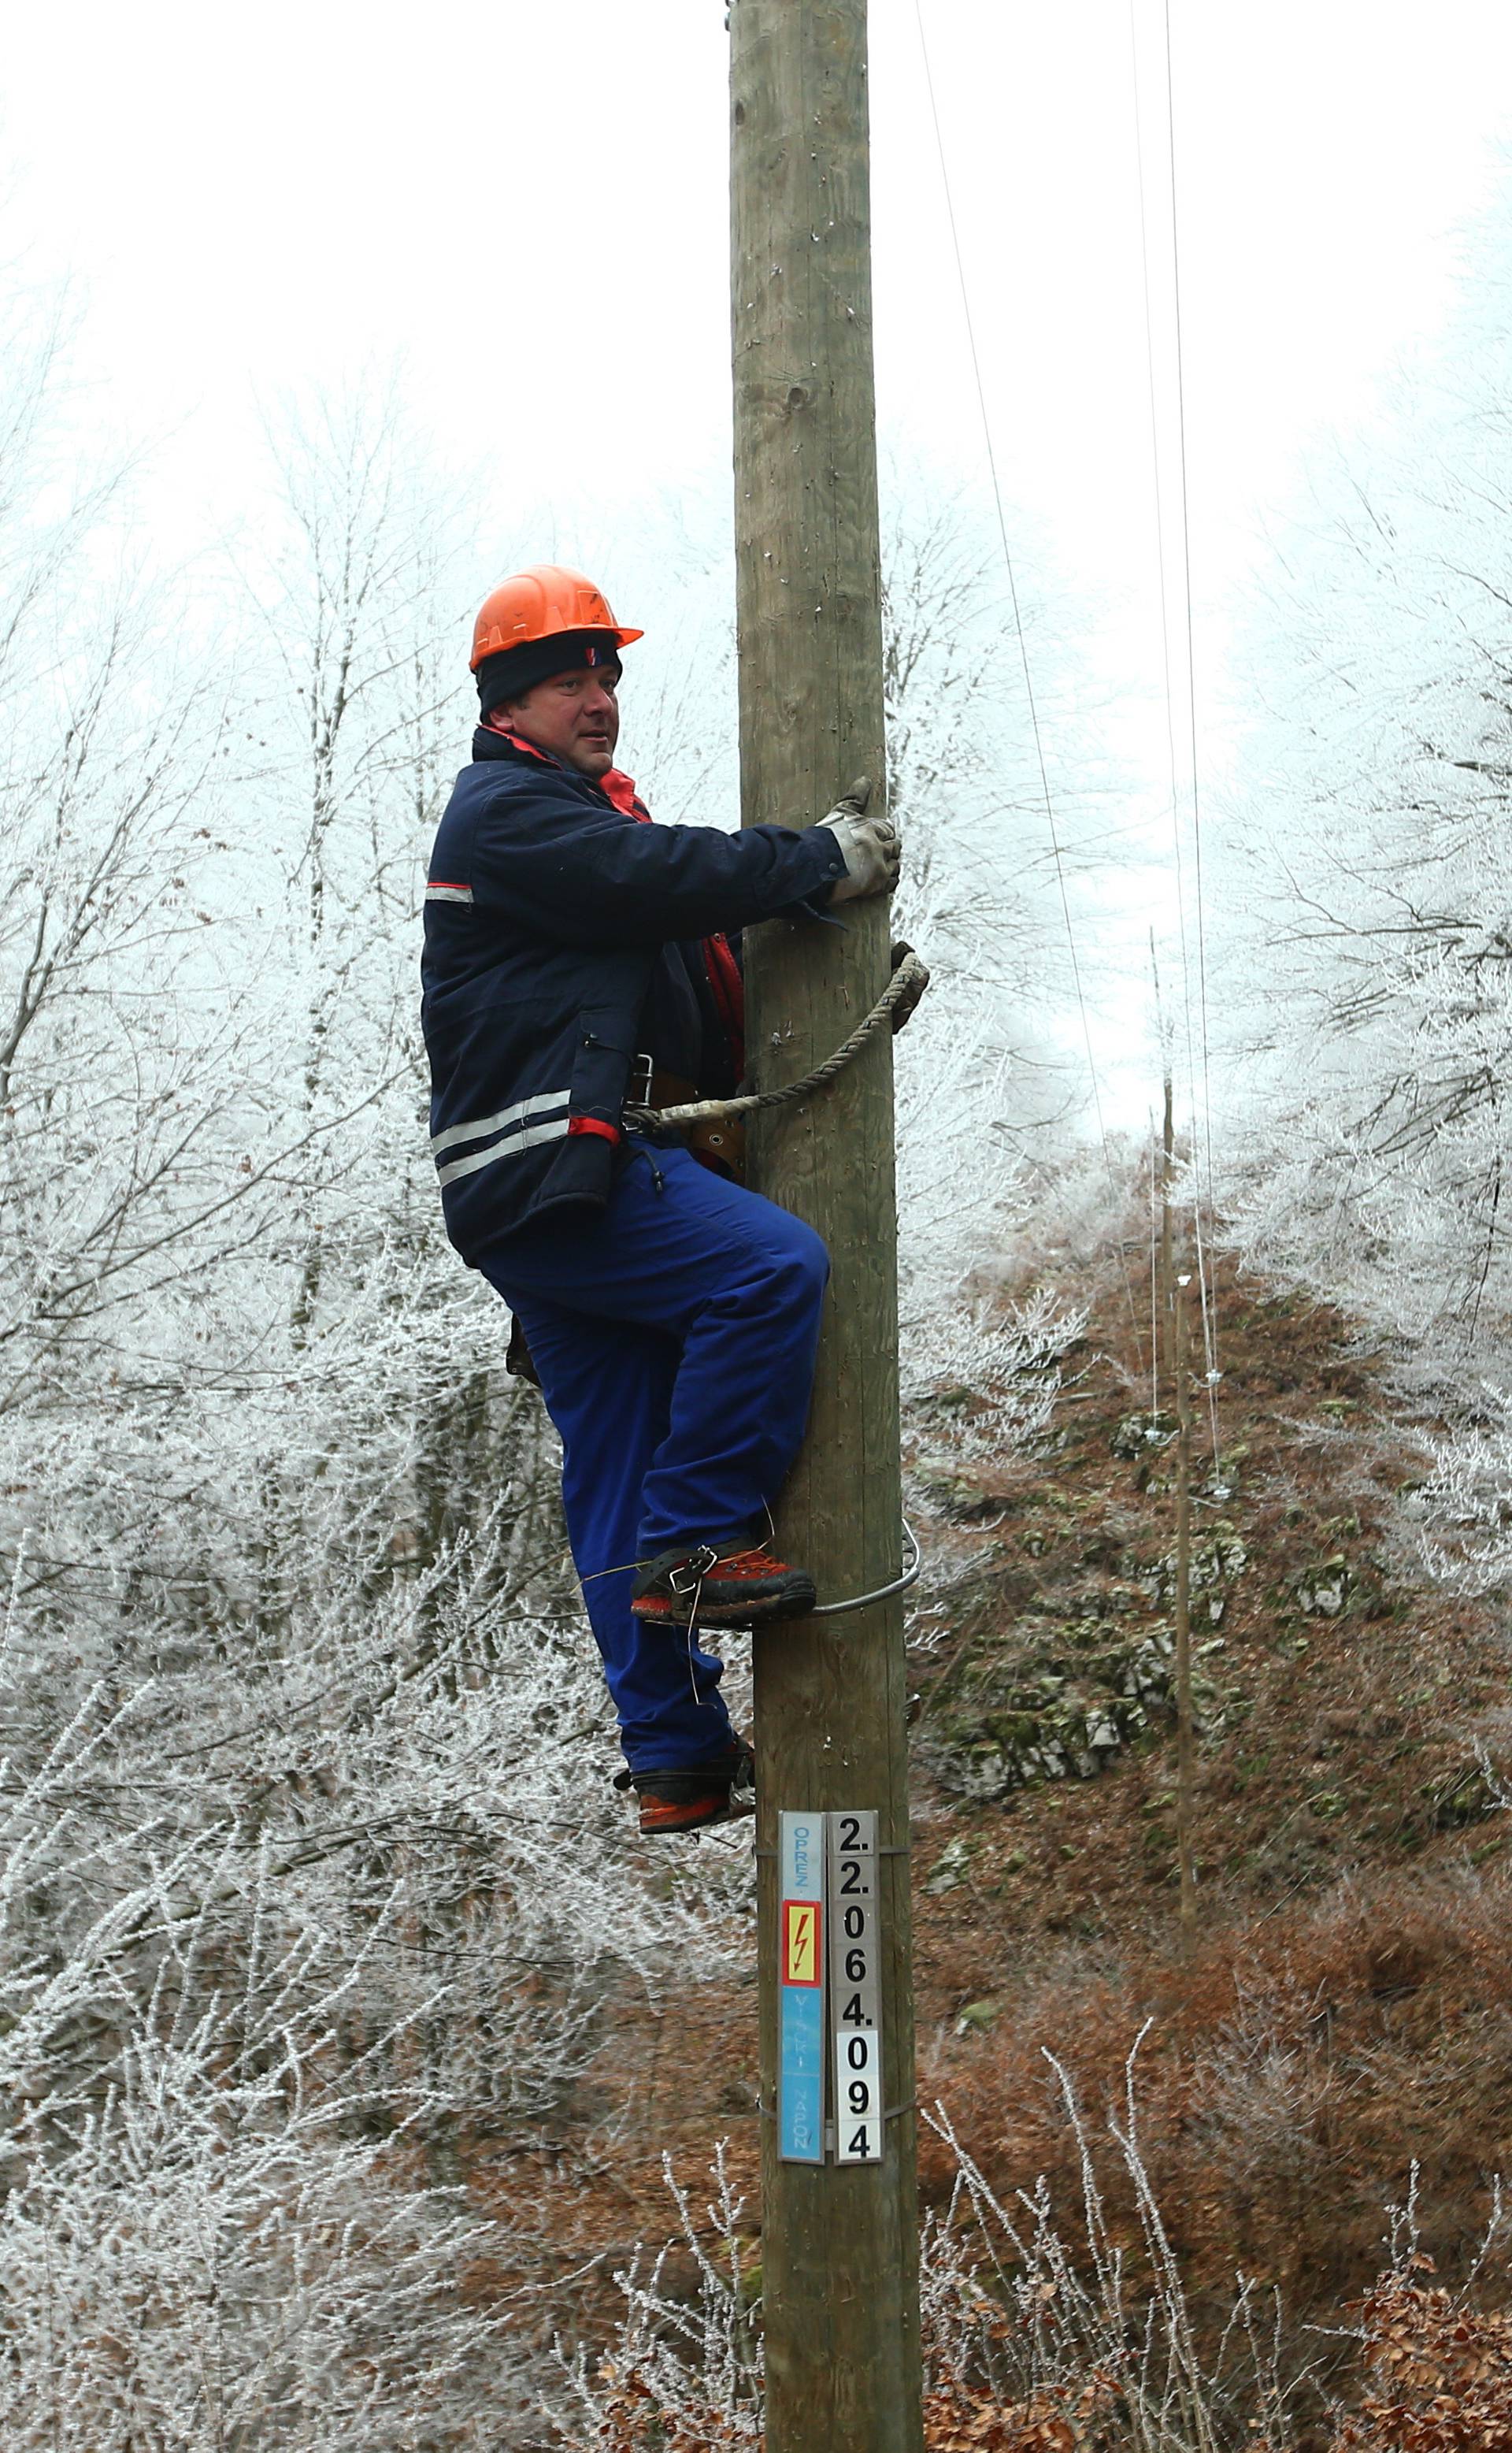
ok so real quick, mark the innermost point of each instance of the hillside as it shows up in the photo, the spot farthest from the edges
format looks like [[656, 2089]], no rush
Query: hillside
[[1346, 2011]]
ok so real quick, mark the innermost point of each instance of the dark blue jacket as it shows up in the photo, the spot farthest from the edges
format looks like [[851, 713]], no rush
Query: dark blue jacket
[[553, 928]]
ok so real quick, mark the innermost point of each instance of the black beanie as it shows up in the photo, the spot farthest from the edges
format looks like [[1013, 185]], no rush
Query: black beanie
[[514, 671]]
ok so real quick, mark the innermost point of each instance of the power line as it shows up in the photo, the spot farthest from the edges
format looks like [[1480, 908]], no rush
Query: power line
[[1023, 651], [1187, 579], [1206, 1294], [1159, 556], [1209, 1320]]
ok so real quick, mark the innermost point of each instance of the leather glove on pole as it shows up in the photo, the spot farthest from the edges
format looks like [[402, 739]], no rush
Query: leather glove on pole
[[872, 849]]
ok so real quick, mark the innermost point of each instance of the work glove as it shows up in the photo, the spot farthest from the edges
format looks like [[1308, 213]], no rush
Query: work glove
[[871, 845]]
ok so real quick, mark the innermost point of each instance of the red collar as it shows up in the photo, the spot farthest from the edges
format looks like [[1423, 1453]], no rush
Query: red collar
[[615, 785]]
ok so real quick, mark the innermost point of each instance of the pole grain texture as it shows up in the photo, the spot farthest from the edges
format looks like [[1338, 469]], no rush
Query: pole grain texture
[[840, 2245]]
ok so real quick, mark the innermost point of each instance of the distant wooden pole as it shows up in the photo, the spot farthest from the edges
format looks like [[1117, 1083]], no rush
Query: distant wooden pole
[[1167, 1249], [1186, 1726], [1162, 1363], [839, 2243]]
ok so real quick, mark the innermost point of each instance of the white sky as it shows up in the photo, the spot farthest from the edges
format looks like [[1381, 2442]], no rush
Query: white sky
[[530, 203]]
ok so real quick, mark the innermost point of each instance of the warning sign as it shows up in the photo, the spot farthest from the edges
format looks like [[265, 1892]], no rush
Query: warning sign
[[802, 1963], [801, 1988]]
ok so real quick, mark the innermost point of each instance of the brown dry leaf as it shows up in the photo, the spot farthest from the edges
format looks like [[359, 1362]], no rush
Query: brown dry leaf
[[1446, 2372]]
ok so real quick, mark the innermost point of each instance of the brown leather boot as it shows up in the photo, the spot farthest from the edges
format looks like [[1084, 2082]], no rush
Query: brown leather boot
[[694, 1795]]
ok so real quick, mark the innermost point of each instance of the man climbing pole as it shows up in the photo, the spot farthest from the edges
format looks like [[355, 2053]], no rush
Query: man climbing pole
[[578, 961]]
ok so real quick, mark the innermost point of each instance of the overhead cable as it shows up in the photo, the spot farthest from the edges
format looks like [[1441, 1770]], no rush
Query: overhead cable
[[1201, 1105], [1210, 1310], [1023, 652]]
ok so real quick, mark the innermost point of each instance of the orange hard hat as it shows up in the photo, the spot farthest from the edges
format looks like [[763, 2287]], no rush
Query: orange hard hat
[[540, 603]]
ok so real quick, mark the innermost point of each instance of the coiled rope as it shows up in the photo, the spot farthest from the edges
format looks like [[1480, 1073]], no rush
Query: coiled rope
[[897, 1001]]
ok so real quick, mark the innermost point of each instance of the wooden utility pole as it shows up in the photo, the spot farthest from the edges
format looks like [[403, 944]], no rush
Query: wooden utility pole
[[840, 2242], [1186, 1721]]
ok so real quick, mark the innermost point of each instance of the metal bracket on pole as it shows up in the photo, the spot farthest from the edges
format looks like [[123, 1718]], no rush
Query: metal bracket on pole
[[903, 1583]]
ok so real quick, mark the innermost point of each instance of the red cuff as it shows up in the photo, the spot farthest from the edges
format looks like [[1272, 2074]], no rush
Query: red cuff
[[593, 1124]]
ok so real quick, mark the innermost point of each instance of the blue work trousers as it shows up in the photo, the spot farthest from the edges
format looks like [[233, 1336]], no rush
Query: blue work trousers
[[675, 1334]]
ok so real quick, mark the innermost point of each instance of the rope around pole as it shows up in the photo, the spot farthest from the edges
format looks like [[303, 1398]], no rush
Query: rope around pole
[[904, 990]]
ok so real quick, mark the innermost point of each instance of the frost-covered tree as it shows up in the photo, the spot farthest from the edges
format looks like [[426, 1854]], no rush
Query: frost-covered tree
[[312, 1890], [993, 1065], [296, 1708], [1366, 882]]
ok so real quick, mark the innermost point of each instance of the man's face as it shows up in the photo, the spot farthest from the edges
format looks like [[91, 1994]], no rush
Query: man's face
[[574, 717]]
